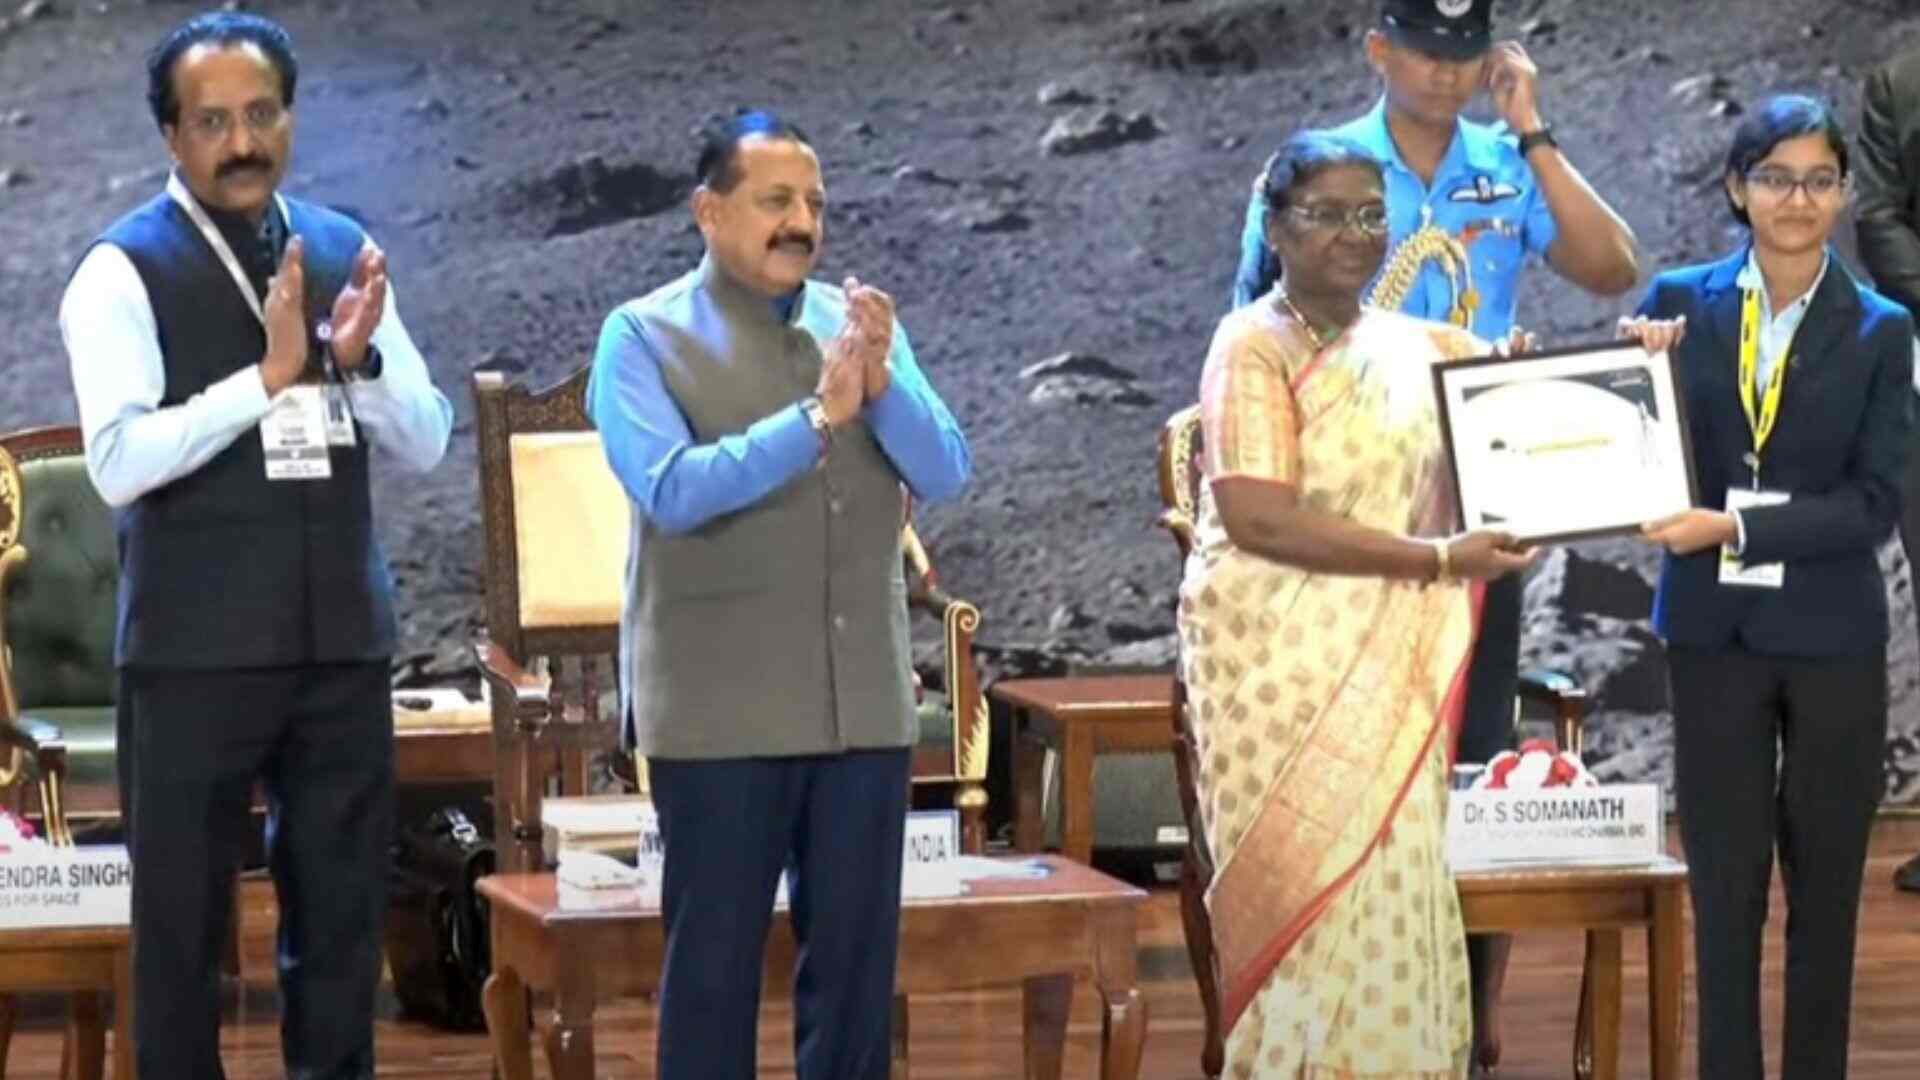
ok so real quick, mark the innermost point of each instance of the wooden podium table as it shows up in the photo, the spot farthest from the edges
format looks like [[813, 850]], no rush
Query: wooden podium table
[[1603, 901], [84, 960], [1040, 933]]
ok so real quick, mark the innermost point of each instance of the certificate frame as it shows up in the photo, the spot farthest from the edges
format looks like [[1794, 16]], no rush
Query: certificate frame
[[1572, 443]]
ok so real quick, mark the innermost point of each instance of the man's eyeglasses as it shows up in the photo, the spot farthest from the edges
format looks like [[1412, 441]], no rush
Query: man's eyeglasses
[[1779, 184], [213, 125], [1370, 220]]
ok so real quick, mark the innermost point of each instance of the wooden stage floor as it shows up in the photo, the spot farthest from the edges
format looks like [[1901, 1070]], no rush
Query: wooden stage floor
[[976, 1036]]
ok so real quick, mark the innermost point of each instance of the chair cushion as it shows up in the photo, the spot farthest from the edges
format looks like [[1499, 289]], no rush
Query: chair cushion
[[1135, 796], [935, 717], [89, 735], [571, 519], [60, 605]]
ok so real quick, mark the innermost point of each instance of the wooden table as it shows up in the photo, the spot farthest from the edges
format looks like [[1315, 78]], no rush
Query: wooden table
[[442, 754], [1080, 718], [85, 961], [1602, 901], [1039, 933]]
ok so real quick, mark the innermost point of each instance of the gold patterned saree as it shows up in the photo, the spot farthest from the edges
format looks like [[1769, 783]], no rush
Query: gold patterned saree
[[1323, 707]]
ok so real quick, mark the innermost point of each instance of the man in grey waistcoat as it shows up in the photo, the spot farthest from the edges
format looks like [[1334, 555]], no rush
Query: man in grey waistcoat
[[768, 430]]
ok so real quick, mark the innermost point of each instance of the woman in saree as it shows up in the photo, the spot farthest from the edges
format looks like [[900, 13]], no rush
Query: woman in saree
[[1326, 618]]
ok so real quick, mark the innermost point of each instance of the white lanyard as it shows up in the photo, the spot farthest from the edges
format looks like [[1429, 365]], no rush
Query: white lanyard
[[218, 240]]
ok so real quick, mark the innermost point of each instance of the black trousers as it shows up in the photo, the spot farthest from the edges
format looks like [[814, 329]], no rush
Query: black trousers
[[1776, 752], [836, 824], [1493, 675], [320, 740]]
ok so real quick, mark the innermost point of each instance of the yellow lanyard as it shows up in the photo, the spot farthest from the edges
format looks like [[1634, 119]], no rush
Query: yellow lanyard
[[1760, 422]]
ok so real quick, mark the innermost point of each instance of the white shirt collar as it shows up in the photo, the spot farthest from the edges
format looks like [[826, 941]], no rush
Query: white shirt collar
[[1751, 278]]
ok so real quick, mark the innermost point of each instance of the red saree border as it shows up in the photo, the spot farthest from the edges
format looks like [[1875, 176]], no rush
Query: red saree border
[[1239, 989]]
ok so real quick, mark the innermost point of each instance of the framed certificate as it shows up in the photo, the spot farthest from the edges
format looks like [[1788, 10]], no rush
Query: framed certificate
[[1566, 444]]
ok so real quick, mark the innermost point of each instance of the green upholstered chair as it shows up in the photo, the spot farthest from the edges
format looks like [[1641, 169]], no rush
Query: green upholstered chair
[[57, 625], [58, 572], [951, 751]]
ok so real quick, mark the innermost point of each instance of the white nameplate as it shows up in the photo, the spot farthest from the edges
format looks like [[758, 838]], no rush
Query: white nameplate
[[933, 836], [627, 827], [1616, 823], [50, 886]]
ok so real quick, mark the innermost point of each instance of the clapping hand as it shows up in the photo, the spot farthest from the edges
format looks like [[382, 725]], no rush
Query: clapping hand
[[870, 327], [359, 307], [285, 313]]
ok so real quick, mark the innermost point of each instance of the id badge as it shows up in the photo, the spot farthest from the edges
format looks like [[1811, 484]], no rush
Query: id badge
[[1734, 572], [339, 416], [294, 435]]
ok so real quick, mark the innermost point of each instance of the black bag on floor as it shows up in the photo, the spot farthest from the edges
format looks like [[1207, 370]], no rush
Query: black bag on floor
[[436, 935]]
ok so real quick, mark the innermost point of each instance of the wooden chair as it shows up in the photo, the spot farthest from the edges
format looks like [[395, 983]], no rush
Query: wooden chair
[[1180, 476], [26, 748], [556, 524], [34, 631]]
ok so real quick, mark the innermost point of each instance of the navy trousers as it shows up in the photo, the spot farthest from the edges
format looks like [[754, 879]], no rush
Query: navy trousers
[[836, 825], [320, 738]]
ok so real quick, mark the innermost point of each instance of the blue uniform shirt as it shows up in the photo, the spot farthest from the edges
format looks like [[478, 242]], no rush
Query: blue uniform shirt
[[1483, 194]]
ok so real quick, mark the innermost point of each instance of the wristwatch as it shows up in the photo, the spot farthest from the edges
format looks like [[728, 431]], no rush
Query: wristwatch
[[816, 415], [1542, 137], [369, 367]]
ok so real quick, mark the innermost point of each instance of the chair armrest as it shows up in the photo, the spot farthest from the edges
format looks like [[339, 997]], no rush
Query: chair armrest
[[525, 696], [972, 731]]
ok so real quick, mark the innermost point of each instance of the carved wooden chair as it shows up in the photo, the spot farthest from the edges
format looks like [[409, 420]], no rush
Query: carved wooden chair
[[556, 526], [56, 668], [1180, 476]]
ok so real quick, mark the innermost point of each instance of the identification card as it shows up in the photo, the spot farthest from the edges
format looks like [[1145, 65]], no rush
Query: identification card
[[1732, 570], [294, 435], [339, 415]]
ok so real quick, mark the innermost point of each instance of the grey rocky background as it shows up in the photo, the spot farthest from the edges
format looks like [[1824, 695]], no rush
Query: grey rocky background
[[1052, 189]]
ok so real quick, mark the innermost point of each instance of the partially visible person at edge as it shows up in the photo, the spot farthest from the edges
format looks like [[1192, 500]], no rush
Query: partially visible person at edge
[[237, 355], [1799, 402], [1504, 192], [1887, 223], [768, 429], [1325, 621]]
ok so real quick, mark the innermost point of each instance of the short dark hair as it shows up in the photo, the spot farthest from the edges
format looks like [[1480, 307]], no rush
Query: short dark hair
[[224, 28], [1305, 155], [718, 168], [1772, 122]]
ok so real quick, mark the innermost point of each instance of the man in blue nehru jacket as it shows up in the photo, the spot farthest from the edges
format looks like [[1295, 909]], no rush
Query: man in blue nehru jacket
[[236, 356], [1504, 192], [768, 430]]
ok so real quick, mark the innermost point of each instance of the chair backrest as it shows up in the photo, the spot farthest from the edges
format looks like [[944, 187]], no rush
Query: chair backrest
[[59, 606], [1179, 469], [555, 520]]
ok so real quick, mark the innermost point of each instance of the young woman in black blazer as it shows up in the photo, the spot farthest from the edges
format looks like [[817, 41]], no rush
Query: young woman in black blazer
[[1796, 379]]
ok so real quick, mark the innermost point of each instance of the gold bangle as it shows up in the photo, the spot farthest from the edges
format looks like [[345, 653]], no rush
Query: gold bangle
[[1443, 568]]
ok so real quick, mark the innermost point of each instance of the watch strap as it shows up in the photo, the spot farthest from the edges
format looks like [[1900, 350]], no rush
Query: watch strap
[[1542, 137]]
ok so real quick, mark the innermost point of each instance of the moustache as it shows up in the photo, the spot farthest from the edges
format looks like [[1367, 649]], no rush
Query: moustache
[[792, 238], [242, 164]]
